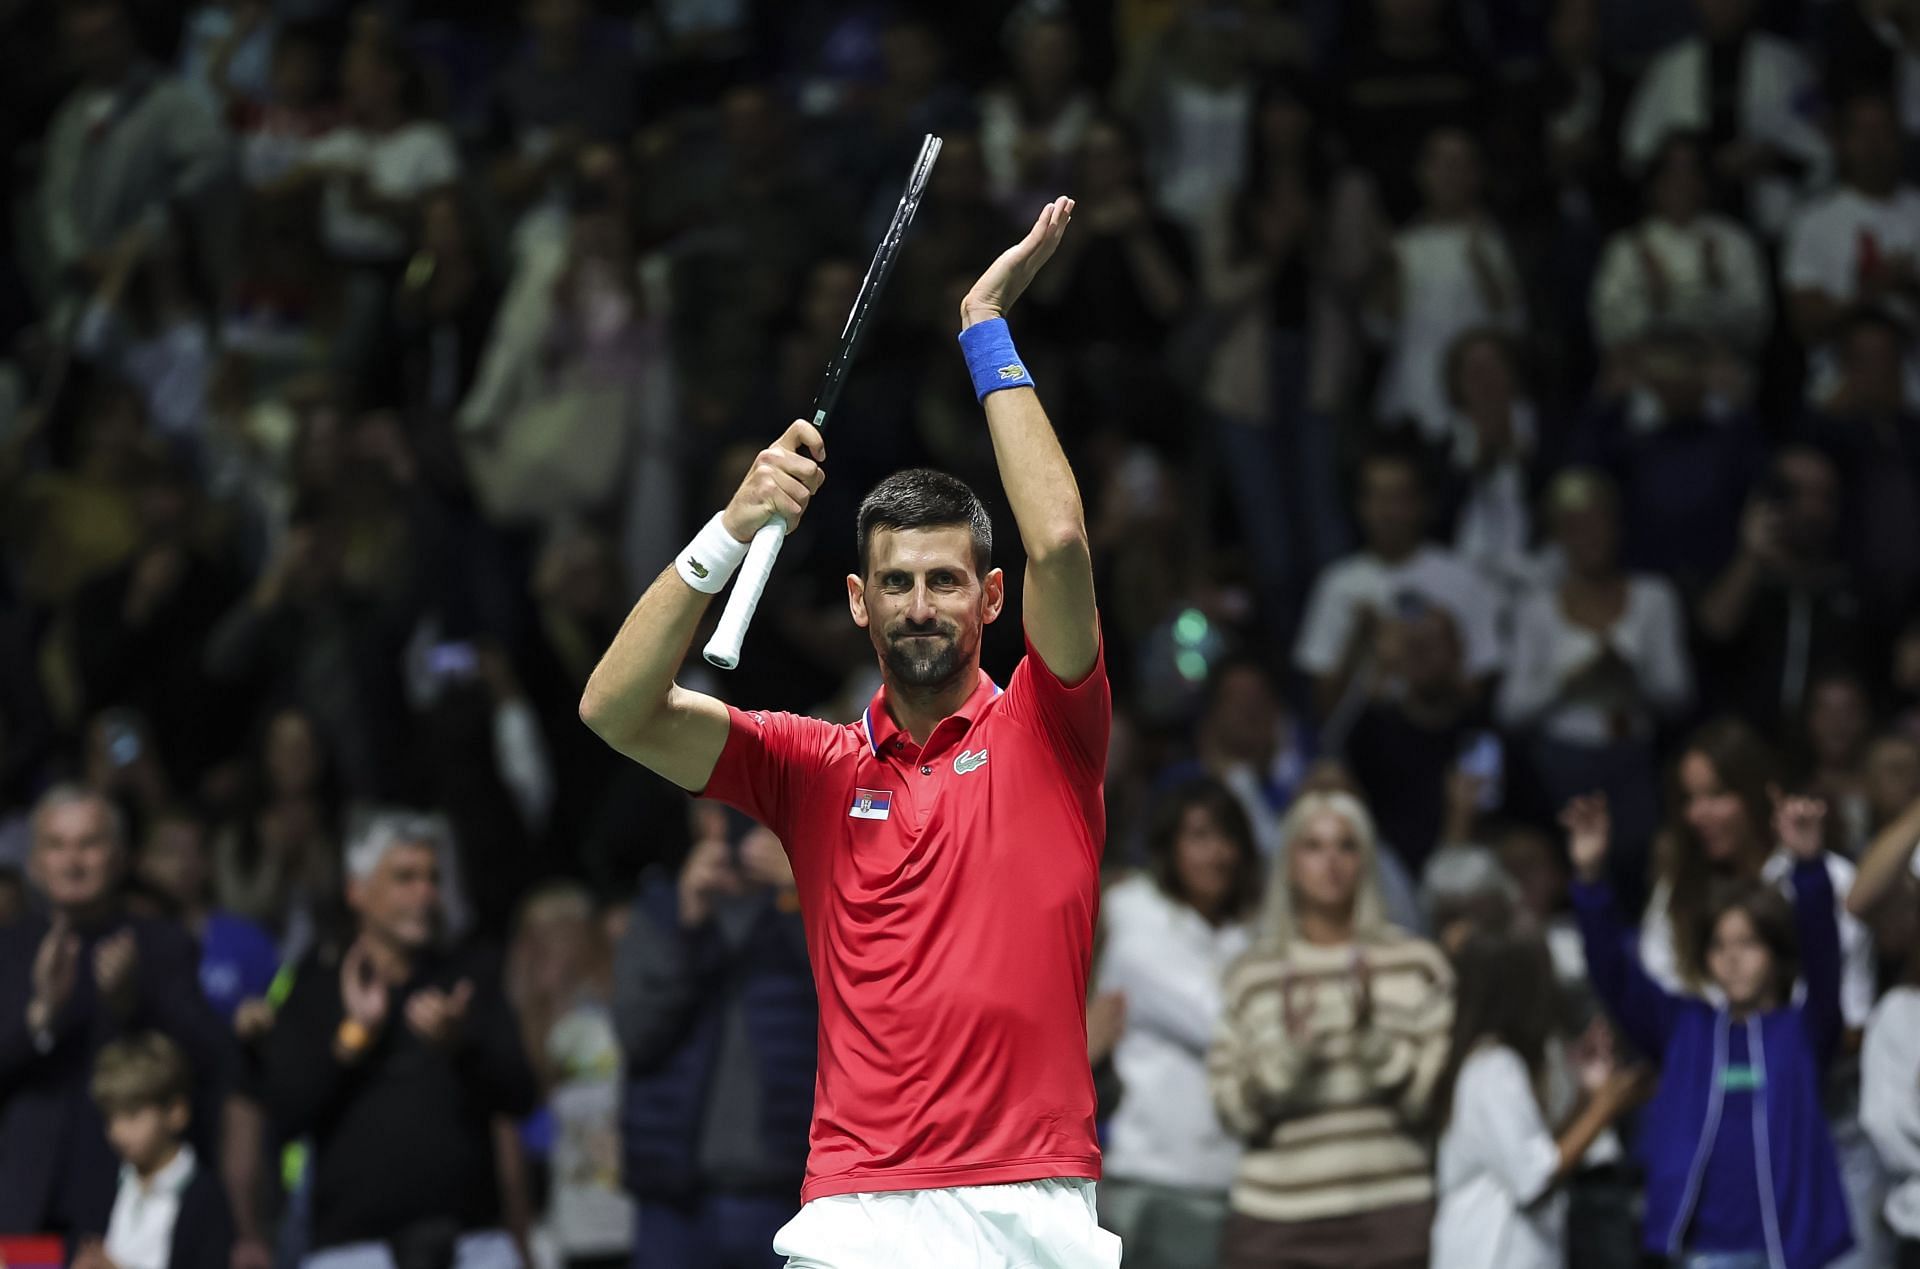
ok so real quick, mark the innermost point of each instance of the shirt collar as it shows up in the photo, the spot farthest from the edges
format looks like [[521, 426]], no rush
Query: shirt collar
[[171, 1179], [882, 731]]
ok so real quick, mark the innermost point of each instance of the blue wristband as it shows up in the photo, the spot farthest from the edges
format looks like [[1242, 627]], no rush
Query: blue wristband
[[991, 359]]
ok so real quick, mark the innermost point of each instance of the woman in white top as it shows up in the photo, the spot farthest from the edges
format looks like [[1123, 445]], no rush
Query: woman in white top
[[1500, 1164], [1447, 273], [1168, 937], [1599, 660], [1682, 266]]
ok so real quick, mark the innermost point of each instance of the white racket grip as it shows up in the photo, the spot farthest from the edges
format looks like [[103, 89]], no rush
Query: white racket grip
[[723, 650]]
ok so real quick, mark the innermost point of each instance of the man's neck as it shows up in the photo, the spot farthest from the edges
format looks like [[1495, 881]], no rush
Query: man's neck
[[393, 961], [1396, 554], [918, 710]]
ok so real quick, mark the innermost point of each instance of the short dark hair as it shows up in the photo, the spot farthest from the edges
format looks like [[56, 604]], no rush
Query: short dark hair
[[921, 498], [1767, 910], [1218, 801]]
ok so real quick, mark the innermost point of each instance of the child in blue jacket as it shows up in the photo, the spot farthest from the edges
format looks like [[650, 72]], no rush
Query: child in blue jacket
[[1741, 1172]]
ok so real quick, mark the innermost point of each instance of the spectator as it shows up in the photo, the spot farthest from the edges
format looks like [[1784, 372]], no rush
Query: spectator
[[563, 991], [1835, 730], [1748, 93], [1722, 840], [1890, 1108], [1347, 611], [169, 1212], [1248, 741], [1117, 290], [1169, 936], [1873, 435], [1416, 729], [129, 147], [1492, 445], [1501, 1163], [570, 85], [1466, 892], [277, 859], [1787, 605], [1683, 265], [138, 630], [307, 633], [1683, 455], [1197, 110], [237, 958], [275, 130], [1409, 70], [1334, 1036], [1031, 126], [1274, 329], [394, 1058], [71, 983], [715, 1006], [1447, 271], [1718, 1124], [1599, 663], [1857, 245]]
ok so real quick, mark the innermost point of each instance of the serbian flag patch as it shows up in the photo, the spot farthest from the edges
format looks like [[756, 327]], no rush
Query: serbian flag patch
[[870, 804]]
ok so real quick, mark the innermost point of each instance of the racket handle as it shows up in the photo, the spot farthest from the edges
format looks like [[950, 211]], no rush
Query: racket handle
[[723, 650]]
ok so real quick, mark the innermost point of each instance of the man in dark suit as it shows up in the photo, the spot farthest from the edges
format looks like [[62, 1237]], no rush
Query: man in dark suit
[[74, 978]]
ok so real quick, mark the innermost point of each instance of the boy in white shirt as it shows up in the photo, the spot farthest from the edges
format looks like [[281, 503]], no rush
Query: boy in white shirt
[[170, 1211]]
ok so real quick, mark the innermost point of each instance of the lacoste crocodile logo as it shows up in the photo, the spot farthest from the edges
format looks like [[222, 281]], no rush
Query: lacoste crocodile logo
[[969, 761]]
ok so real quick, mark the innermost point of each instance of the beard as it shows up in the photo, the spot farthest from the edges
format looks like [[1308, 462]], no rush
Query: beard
[[927, 661]]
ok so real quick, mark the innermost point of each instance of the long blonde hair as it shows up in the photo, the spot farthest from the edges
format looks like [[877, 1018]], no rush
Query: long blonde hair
[[1276, 930]]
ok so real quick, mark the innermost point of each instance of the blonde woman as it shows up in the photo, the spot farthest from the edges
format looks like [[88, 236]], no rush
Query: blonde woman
[[1335, 1035]]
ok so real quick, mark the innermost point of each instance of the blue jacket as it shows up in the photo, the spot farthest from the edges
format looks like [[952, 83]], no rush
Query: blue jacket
[[1803, 1210], [714, 1024]]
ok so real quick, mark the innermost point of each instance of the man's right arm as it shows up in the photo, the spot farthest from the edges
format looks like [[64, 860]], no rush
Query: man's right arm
[[631, 700]]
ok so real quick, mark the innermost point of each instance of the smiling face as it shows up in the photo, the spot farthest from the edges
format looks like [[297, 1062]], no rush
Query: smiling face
[[924, 603], [1715, 812]]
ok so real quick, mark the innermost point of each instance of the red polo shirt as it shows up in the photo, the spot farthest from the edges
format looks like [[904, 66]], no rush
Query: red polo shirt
[[949, 895]]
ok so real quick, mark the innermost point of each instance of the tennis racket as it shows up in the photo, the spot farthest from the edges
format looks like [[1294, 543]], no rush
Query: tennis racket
[[723, 650]]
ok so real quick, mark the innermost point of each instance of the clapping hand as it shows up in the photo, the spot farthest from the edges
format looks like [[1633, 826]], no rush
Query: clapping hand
[[440, 1017]]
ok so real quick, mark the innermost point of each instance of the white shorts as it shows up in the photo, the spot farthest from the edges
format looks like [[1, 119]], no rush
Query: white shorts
[[1047, 1224]]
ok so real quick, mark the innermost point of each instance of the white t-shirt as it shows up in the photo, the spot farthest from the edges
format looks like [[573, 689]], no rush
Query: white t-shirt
[[1362, 580], [140, 1231], [1169, 962], [401, 165], [1826, 247], [1890, 1101], [1442, 296], [1650, 635], [1496, 1163]]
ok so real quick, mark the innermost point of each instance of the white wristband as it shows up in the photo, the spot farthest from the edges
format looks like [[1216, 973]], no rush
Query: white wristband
[[708, 562]]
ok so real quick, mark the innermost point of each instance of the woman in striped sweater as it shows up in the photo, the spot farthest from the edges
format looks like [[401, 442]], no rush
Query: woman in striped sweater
[[1335, 1033]]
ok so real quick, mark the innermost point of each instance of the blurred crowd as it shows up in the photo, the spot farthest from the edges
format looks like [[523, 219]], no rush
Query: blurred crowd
[[1500, 427]]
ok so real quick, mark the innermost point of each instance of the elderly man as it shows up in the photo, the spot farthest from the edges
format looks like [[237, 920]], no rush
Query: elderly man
[[74, 978], [394, 1057]]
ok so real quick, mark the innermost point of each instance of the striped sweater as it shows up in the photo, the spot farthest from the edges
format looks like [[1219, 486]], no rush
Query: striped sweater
[[1334, 1117]]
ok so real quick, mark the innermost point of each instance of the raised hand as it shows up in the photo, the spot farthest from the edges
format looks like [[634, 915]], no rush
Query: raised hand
[[363, 993], [764, 860], [1589, 828], [783, 480], [1008, 277], [56, 966], [708, 872], [1799, 823]]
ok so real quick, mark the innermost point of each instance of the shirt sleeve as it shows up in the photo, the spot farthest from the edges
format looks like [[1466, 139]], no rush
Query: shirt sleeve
[[1075, 719], [1326, 627], [766, 757], [1495, 1102]]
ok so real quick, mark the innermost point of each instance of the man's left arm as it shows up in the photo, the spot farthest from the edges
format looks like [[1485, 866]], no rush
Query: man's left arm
[[1058, 589]]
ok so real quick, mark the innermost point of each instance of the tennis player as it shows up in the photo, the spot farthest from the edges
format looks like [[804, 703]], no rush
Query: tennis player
[[946, 846]]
